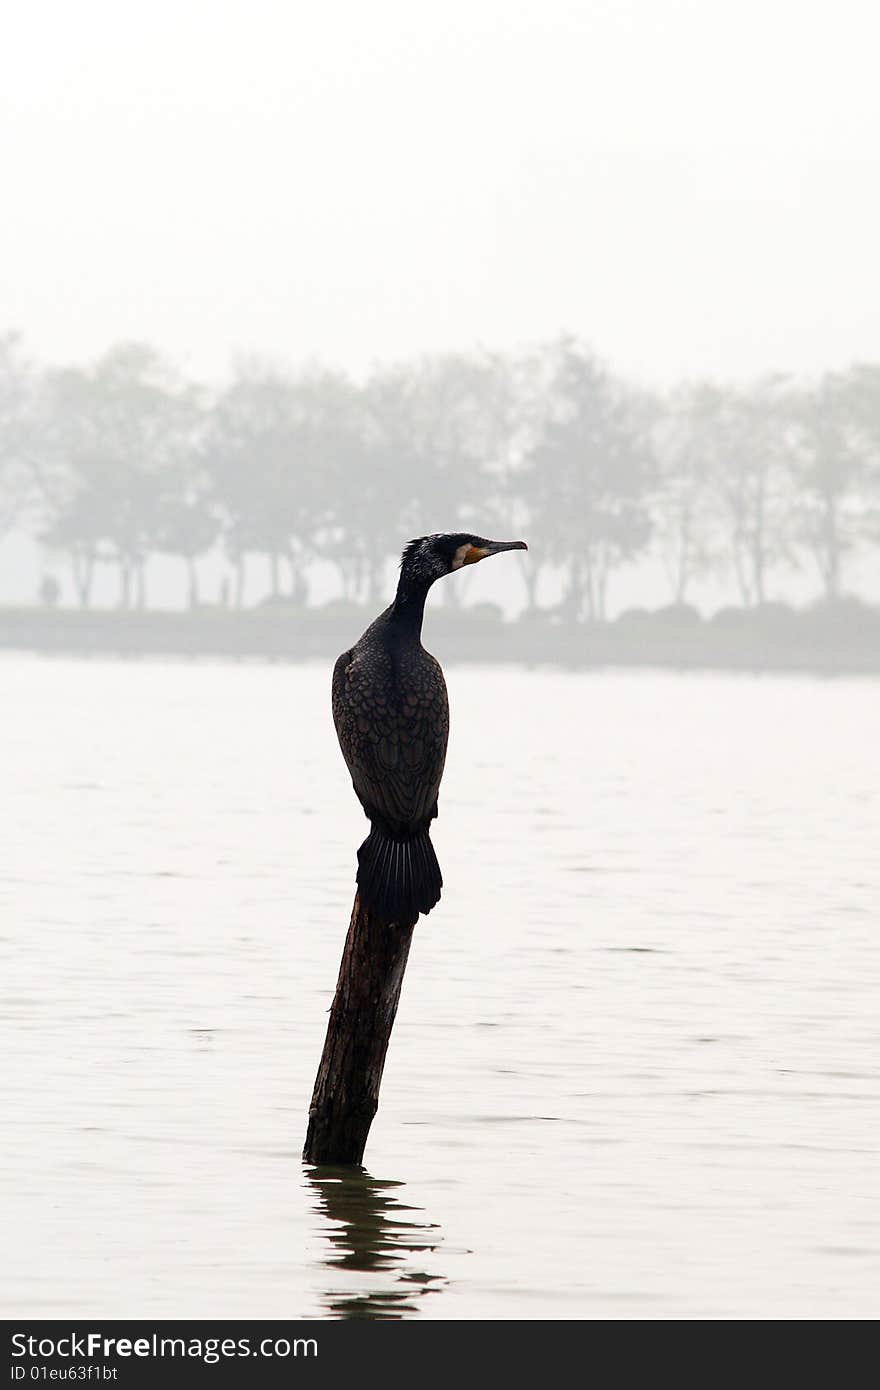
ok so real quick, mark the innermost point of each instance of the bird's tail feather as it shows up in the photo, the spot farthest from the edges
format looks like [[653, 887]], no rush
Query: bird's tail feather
[[397, 879]]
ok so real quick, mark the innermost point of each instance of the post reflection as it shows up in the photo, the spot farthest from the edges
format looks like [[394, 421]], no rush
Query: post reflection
[[375, 1245]]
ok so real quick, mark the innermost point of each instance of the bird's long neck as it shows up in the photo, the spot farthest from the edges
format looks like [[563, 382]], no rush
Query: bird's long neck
[[408, 608]]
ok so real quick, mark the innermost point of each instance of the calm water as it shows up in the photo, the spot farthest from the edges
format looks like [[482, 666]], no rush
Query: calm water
[[636, 1069]]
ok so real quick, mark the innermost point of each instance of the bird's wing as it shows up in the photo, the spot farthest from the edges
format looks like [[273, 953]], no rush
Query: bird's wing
[[395, 746]]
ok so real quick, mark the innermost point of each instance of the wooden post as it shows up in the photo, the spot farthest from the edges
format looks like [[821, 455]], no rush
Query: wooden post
[[346, 1094]]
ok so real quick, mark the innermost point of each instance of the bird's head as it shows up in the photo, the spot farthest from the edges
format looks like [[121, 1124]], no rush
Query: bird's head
[[430, 557]]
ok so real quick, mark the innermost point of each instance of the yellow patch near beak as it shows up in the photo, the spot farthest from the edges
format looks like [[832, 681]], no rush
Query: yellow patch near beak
[[467, 555], [473, 554]]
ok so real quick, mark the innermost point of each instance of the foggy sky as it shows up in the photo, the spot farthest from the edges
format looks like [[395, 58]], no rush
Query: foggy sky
[[692, 187]]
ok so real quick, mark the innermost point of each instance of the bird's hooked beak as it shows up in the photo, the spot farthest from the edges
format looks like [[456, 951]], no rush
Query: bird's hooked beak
[[479, 552]]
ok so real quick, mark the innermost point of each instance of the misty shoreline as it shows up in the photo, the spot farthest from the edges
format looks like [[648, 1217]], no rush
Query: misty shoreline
[[839, 638]]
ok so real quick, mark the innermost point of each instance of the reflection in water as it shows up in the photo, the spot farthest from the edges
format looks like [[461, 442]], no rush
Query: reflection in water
[[371, 1243]]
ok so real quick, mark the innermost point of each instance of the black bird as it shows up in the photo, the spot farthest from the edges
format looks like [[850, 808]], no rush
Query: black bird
[[391, 714]]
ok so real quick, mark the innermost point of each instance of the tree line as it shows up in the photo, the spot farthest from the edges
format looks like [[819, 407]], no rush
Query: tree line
[[117, 462]]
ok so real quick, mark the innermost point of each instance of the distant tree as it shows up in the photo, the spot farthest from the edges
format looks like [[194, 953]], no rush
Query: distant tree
[[351, 496], [366, 516], [248, 449], [589, 476], [866, 389], [747, 438], [272, 450], [686, 519], [69, 482], [432, 436], [121, 460], [512, 419], [49, 591], [114, 441], [187, 526], [516, 392], [834, 462], [336, 458], [187, 521]]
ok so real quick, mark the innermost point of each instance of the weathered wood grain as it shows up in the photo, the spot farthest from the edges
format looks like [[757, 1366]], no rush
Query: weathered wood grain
[[346, 1093]]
